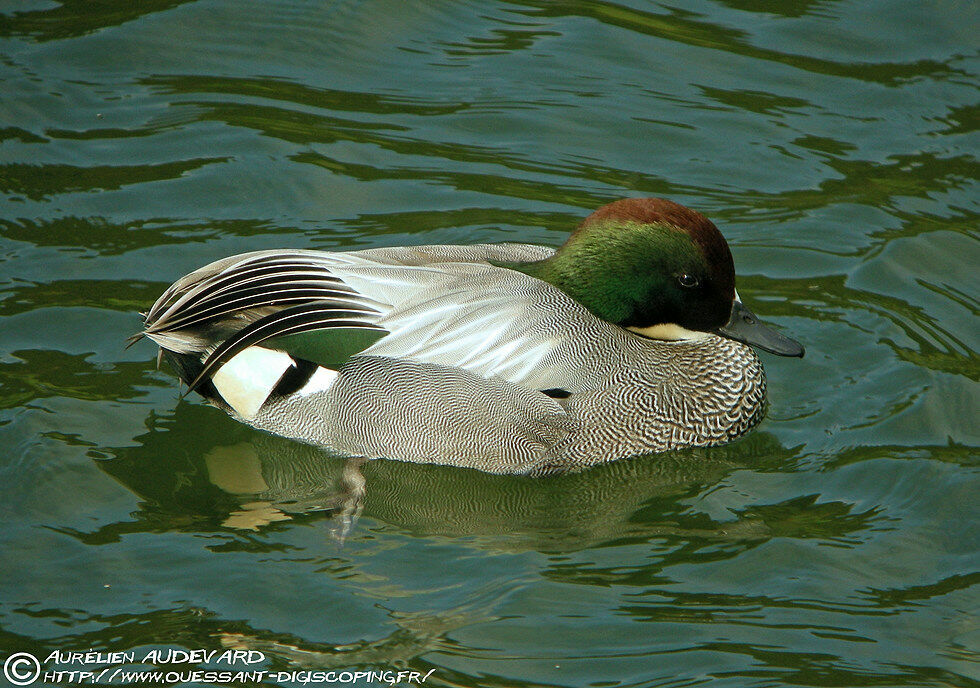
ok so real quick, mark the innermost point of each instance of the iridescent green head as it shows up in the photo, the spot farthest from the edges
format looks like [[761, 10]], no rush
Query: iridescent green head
[[659, 269]]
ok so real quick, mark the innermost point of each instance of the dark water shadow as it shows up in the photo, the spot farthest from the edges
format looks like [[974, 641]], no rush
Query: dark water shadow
[[29, 376], [41, 182], [99, 236], [71, 18]]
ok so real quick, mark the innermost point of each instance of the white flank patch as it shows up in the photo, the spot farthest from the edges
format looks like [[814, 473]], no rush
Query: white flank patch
[[247, 380], [669, 332], [320, 381]]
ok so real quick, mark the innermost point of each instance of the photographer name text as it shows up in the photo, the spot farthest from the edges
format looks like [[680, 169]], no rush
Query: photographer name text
[[61, 657]]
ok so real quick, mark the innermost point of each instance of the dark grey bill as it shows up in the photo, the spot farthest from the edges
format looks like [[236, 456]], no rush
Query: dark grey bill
[[744, 327]]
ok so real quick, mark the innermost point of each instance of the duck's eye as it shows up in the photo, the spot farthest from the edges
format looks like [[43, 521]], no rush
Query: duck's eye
[[687, 280]]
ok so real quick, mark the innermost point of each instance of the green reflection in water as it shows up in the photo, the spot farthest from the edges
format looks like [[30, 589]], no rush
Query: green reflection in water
[[39, 182], [289, 91], [127, 297], [681, 26], [40, 374], [100, 236], [78, 17], [828, 298]]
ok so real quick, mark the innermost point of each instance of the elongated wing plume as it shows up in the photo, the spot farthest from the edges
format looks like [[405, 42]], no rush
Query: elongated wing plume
[[303, 318]]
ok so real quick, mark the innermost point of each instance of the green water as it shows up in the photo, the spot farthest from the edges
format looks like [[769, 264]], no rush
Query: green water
[[834, 144]]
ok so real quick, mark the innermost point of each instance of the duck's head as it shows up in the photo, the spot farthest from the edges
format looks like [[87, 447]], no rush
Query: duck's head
[[660, 270]]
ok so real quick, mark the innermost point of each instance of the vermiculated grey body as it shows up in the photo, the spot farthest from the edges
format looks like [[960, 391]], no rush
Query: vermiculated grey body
[[482, 366]]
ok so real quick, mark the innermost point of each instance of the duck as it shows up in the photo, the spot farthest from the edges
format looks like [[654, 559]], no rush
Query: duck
[[629, 339]]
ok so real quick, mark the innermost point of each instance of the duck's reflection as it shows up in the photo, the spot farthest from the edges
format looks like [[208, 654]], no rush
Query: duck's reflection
[[242, 481], [274, 480], [278, 486]]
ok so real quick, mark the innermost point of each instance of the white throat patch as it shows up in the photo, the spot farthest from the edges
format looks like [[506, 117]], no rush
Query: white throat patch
[[668, 332]]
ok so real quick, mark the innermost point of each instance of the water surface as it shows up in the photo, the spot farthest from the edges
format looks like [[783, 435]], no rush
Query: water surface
[[834, 143]]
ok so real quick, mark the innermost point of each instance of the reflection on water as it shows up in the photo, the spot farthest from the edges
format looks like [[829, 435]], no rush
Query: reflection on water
[[77, 17], [829, 298], [238, 470], [39, 184], [681, 26], [262, 480], [39, 374]]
